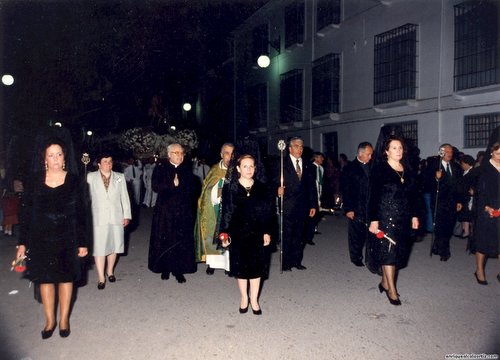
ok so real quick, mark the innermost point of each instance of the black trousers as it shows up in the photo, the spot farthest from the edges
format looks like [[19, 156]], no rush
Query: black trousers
[[357, 234], [441, 246], [294, 233]]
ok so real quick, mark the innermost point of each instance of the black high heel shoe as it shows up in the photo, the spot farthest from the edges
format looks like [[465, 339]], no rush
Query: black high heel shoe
[[257, 312], [480, 282], [64, 333], [47, 333], [101, 285], [243, 310], [381, 288], [111, 278], [392, 301]]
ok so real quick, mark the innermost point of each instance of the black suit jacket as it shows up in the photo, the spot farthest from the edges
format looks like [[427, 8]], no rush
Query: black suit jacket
[[300, 195], [355, 188]]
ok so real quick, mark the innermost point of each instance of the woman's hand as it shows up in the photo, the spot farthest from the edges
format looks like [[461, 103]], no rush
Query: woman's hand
[[414, 223], [267, 239], [126, 222], [489, 210], [21, 251], [281, 191], [82, 252], [373, 227], [439, 174]]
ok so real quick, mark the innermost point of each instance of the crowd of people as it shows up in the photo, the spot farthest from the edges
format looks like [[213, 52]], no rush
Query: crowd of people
[[234, 215]]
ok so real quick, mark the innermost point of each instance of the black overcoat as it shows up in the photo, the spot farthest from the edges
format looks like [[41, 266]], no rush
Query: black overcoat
[[171, 247]]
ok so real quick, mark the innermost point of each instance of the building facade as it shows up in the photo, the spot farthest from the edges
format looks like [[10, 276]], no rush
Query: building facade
[[341, 69]]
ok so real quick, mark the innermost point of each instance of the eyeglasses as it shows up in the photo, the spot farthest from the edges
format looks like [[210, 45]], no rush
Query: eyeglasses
[[177, 152]]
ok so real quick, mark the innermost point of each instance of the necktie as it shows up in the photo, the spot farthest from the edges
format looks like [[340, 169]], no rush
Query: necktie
[[448, 170], [320, 176], [203, 167], [298, 169], [133, 171]]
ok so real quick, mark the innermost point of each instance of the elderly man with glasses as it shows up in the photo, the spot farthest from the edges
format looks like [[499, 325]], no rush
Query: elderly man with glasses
[[171, 247]]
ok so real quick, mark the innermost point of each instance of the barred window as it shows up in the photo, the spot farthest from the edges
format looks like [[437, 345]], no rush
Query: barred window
[[478, 128], [260, 36], [325, 85], [396, 65], [409, 131], [291, 96], [327, 13], [257, 106], [294, 23], [477, 55]]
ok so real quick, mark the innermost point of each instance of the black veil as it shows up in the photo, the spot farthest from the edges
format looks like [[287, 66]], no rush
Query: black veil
[[57, 134], [386, 132], [242, 147], [494, 137]]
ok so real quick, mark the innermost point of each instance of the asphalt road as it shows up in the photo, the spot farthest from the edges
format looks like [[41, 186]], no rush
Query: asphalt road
[[332, 310]]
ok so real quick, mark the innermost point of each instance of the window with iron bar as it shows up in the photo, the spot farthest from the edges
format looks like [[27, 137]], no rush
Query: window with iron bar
[[477, 58], [409, 131], [326, 85], [395, 65], [478, 128], [294, 23], [291, 96], [327, 13]]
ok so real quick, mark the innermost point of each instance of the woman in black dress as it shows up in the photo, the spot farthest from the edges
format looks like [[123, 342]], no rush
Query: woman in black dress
[[392, 209], [51, 236], [247, 218], [487, 222]]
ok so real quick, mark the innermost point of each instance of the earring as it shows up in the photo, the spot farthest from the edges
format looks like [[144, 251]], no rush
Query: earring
[[46, 166], [64, 165]]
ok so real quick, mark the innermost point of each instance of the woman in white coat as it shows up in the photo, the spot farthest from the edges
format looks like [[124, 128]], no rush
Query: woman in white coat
[[110, 215]]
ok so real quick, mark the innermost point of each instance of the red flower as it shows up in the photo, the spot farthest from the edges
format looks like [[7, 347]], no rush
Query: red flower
[[223, 236], [20, 268], [380, 234], [495, 213]]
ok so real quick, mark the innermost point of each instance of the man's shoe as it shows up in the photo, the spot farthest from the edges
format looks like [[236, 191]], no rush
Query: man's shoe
[[180, 279], [165, 276], [210, 271], [310, 243], [286, 268], [444, 258], [300, 267], [358, 263]]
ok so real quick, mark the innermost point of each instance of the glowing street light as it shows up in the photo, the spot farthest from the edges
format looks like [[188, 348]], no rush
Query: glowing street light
[[186, 106], [263, 61], [89, 133], [58, 124], [7, 79]]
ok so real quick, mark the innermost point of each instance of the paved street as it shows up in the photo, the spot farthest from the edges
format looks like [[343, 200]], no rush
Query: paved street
[[332, 310]]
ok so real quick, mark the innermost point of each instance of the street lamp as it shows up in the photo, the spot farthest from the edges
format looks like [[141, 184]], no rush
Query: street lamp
[[7, 79], [186, 106], [89, 133], [264, 60]]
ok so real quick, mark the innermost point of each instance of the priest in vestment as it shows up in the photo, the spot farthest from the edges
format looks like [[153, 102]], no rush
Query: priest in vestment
[[207, 215]]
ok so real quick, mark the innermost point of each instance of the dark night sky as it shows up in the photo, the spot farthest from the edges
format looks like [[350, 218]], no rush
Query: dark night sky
[[98, 63]]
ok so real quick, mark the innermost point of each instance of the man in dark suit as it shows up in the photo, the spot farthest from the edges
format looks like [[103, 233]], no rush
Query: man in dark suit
[[299, 203], [355, 188], [444, 173]]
